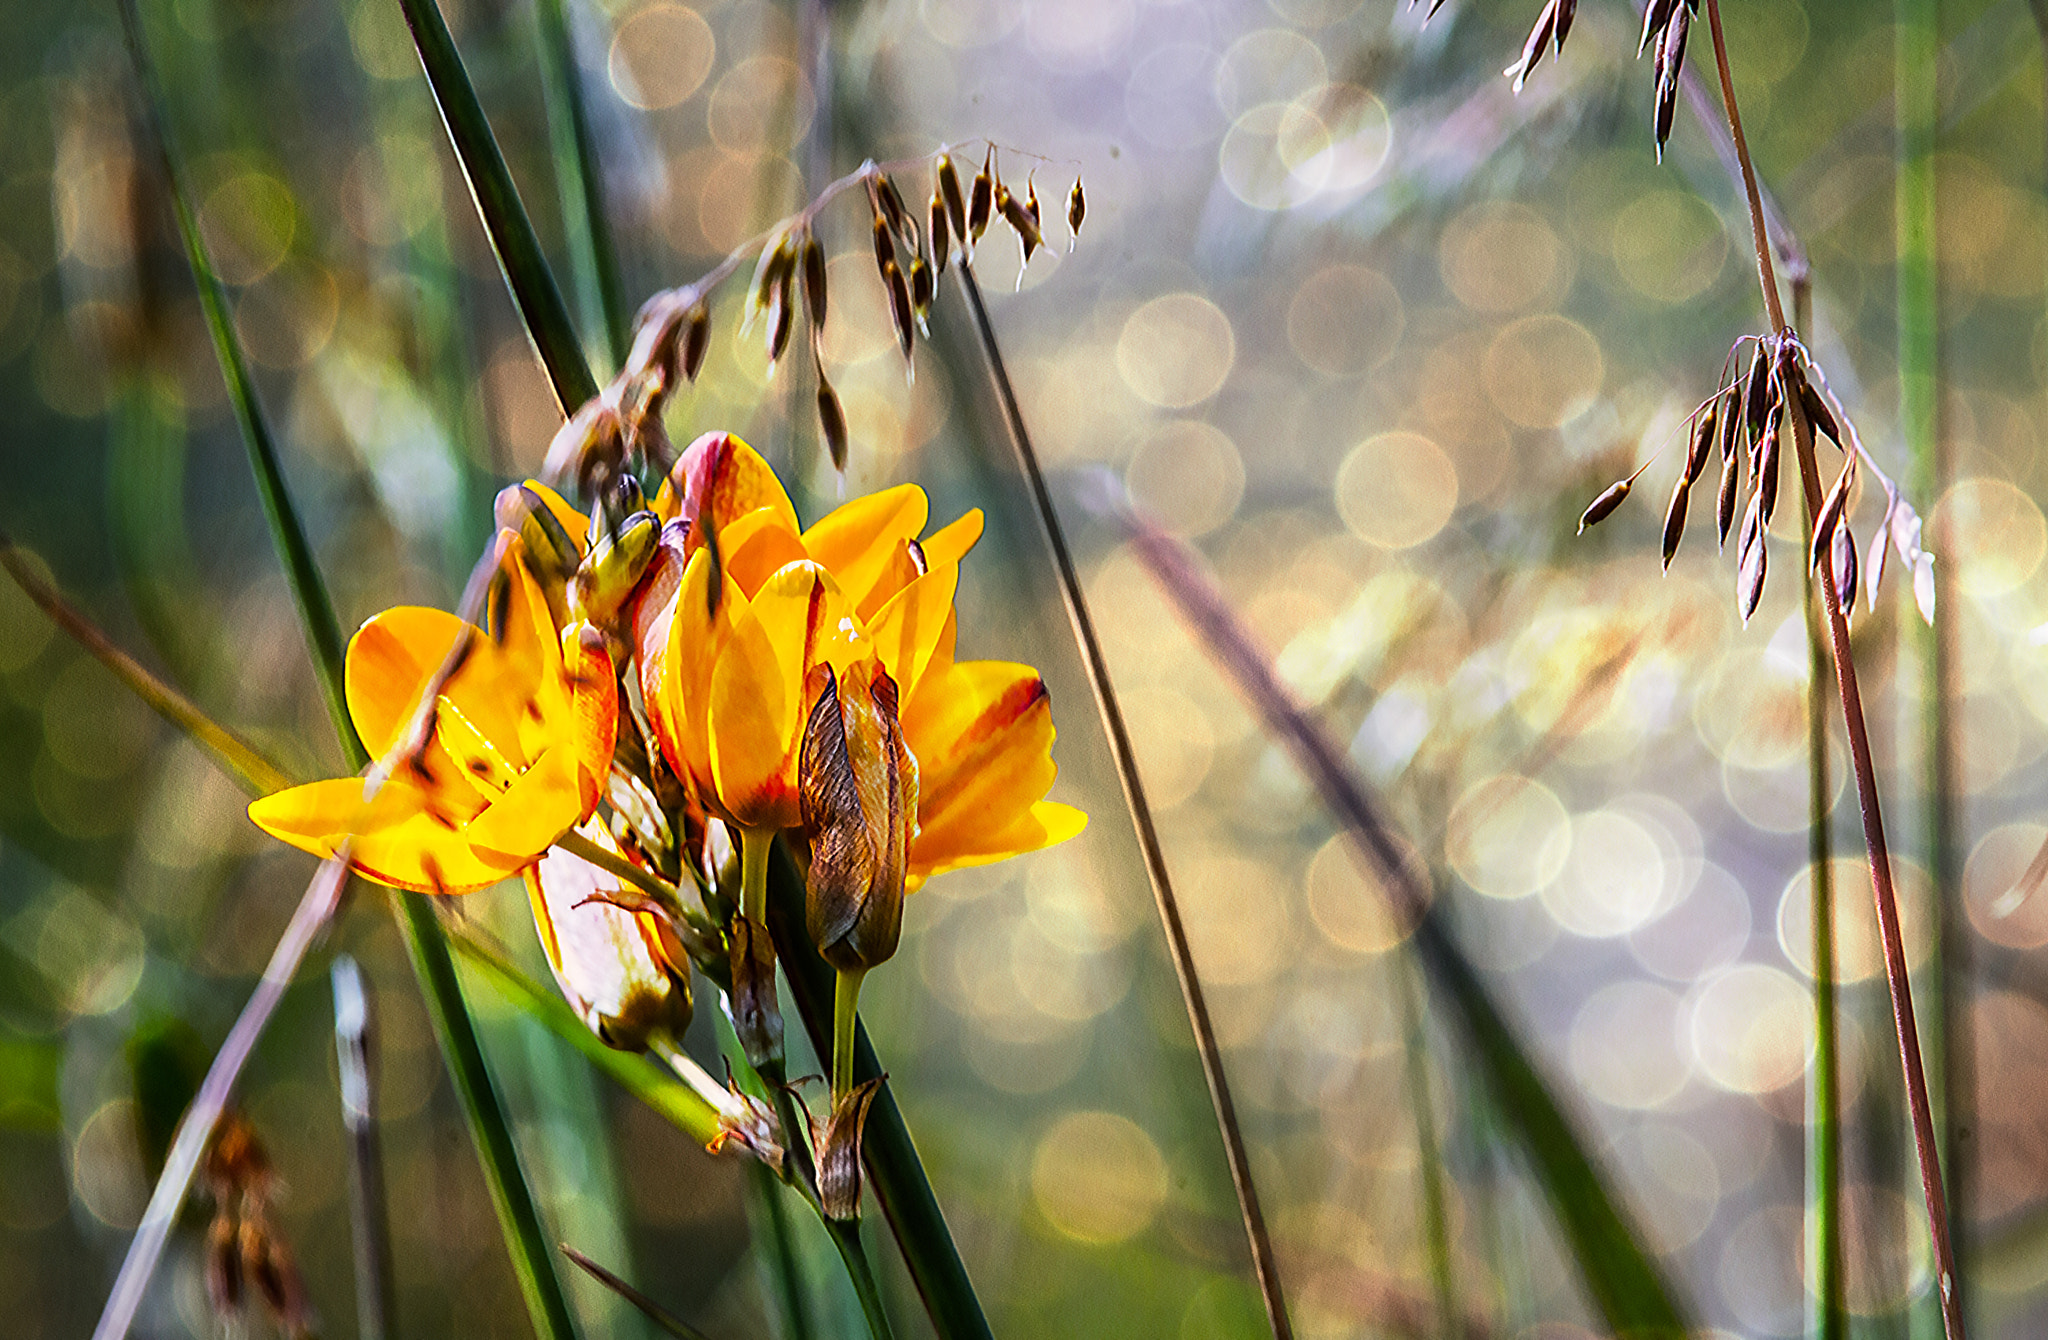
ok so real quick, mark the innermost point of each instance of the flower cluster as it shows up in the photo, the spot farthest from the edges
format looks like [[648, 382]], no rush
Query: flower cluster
[[662, 690]]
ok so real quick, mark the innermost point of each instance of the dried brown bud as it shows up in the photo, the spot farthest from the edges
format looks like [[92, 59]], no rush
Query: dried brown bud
[[832, 422], [1674, 520], [900, 310], [1731, 420], [979, 204], [1077, 210], [1724, 505], [781, 313], [814, 279], [1704, 430], [1603, 506], [1670, 60], [776, 261], [941, 231], [1655, 15], [857, 784], [893, 209], [756, 1019], [838, 1141], [949, 188], [1532, 50]]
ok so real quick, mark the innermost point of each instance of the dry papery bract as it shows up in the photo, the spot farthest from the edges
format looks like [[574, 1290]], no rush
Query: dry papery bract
[[1746, 416], [622, 424]]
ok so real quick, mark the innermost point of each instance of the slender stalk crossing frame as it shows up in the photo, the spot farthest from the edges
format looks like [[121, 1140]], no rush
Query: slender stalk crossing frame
[[1264, 1264], [1891, 937]]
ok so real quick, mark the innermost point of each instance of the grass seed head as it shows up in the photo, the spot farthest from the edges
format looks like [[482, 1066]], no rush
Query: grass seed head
[[949, 187], [900, 311], [832, 422], [941, 232], [982, 200], [1603, 506], [1077, 210], [814, 279], [1674, 519]]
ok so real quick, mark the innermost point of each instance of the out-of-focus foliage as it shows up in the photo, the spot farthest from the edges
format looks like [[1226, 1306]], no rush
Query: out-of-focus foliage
[[1366, 328]]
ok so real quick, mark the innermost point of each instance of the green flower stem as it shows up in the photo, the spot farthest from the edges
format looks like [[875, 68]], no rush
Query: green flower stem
[[845, 1014], [895, 1173], [755, 846]]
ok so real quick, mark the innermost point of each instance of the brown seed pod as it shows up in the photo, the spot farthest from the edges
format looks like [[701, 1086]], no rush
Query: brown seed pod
[[979, 203], [941, 233], [921, 290], [1705, 427], [1532, 50], [832, 422], [1019, 218], [1831, 509], [900, 310], [1603, 506], [1818, 413], [1844, 556], [949, 188], [1655, 15], [1674, 520], [1077, 210], [1767, 454], [814, 279], [781, 315], [1756, 391], [1749, 574], [1731, 420], [1670, 60], [696, 339], [885, 247], [1724, 505], [893, 208]]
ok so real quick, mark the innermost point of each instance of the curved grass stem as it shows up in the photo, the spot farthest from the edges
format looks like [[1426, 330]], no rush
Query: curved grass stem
[[1878, 851]]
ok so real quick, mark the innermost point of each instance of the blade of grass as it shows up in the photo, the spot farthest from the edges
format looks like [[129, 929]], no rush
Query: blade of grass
[[1436, 1232], [302, 573], [518, 1220], [1623, 1281], [1945, 980], [782, 1277], [497, 203], [252, 772], [1264, 1264], [370, 1237], [654, 1312], [316, 909], [593, 255], [895, 1173]]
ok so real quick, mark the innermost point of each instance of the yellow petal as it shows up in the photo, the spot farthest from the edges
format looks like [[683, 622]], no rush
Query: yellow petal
[[573, 521], [400, 839], [697, 638], [545, 802], [864, 542], [389, 658], [1045, 824], [907, 630], [591, 732], [979, 770], [754, 547], [756, 715], [951, 544], [723, 479]]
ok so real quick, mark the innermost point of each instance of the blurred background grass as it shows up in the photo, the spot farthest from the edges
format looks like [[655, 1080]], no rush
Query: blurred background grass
[[1365, 327]]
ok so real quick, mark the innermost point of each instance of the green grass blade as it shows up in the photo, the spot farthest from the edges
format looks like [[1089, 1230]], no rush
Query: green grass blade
[[1436, 1228], [782, 1277], [309, 589], [1621, 1279], [895, 1173], [653, 1311], [586, 220], [497, 203]]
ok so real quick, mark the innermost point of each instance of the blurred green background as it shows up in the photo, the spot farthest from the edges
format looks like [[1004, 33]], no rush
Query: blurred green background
[[1366, 328]]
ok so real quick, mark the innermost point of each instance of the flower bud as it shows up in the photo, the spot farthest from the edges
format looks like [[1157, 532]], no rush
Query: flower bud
[[857, 786], [622, 971]]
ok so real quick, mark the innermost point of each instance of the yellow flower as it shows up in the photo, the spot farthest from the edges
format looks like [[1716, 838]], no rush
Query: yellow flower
[[520, 749]]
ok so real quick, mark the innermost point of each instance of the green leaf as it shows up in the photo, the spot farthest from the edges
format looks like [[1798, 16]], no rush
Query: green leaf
[[497, 203]]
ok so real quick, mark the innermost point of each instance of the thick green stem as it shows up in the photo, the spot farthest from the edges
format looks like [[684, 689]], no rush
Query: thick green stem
[[845, 1013], [755, 845]]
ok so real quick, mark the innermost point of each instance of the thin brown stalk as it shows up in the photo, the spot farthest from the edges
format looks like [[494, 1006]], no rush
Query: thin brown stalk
[[1264, 1264], [1882, 890]]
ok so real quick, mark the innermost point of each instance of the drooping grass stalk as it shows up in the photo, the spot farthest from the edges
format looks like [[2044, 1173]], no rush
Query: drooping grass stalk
[[1945, 981], [518, 1219], [1436, 1225], [895, 1173], [513, 241], [1624, 1282], [316, 909], [1878, 851], [1265, 1265], [369, 1228], [586, 219]]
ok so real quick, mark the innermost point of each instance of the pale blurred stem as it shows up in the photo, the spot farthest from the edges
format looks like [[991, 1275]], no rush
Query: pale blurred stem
[[1885, 895], [1436, 1231], [1264, 1263], [845, 1013]]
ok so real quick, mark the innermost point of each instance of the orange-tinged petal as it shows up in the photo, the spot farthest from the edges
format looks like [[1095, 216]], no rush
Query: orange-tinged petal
[[591, 733], [723, 479], [680, 697], [397, 840], [389, 658], [980, 770], [864, 542], [950, 544], [907, 630], [754, 547], [1045, 824], [545, 802], [757, 708]]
